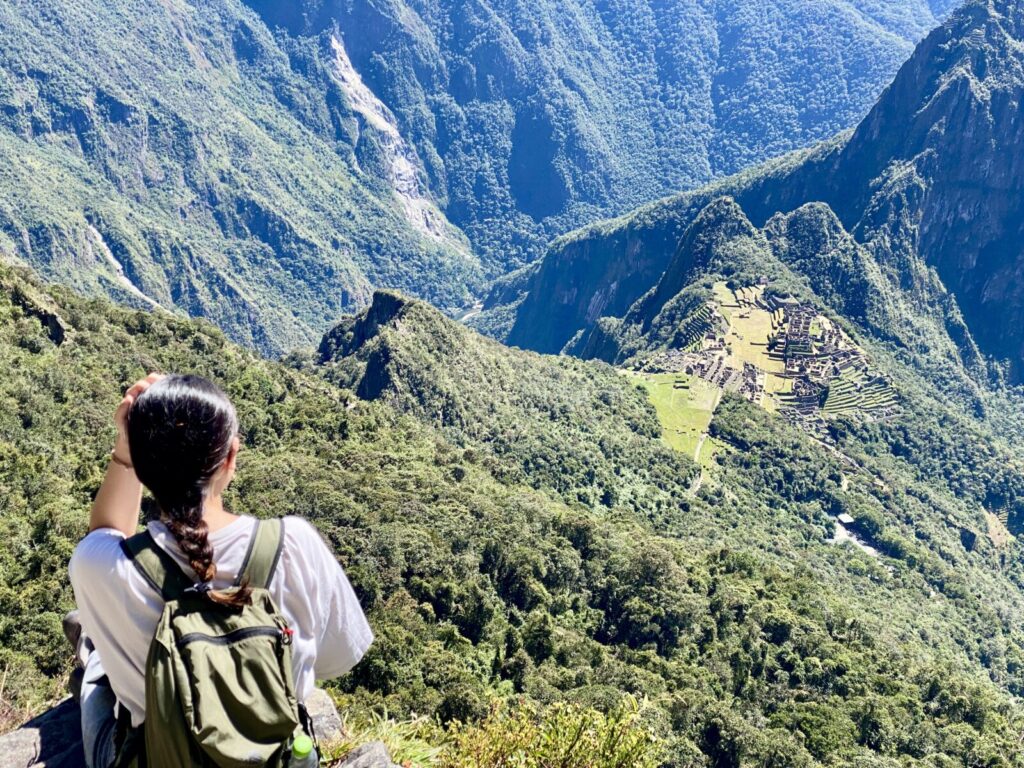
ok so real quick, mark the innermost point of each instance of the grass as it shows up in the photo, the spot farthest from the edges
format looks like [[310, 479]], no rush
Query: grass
[[516, 733], [416, 742], [710, 449], [749, 328], [685, 405], [854, 391], [775, 385]]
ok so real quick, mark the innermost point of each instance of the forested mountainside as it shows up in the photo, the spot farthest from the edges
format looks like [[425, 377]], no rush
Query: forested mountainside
[[266, 166], [928, 188], [179, 154], [562, 424], [912, 503], [533, 118], [724, 600]]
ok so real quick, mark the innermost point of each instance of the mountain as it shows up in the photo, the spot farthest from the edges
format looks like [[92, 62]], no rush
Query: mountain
[[180, 155], [805, 254], [916, 494], [926, 187], [533, 118], [265, 166], [579, 429], [751, 633]]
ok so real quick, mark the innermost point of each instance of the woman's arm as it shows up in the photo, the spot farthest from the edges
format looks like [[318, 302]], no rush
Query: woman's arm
[[120, 496]]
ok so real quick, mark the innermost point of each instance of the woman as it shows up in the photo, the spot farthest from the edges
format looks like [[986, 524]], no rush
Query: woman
[[178, 436]]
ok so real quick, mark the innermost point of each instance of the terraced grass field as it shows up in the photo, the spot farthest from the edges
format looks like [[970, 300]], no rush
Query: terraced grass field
[[691, 334], [750, 327], [775, 385], [686, 403], [856, 391]]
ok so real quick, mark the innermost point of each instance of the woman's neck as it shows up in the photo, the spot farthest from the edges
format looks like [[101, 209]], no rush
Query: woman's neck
[[215, 515]]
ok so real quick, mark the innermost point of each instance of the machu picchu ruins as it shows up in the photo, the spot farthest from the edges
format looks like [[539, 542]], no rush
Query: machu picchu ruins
[[777, 352]]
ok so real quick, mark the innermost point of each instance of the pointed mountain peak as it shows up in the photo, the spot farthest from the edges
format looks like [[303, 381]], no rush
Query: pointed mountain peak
[[814, 224], [387, 310], [720, 233], [725, 215]]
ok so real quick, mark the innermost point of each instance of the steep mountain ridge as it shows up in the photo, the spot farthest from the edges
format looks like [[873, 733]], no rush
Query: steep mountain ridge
[[551, 421], [534, 118], [927, 184], [181, 155]]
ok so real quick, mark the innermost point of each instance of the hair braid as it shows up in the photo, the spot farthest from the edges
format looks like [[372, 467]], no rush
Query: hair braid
[[189, 529]]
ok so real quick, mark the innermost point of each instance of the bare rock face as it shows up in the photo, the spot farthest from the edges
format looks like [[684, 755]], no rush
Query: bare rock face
[[54, 739], [326, 720], [372, 755]]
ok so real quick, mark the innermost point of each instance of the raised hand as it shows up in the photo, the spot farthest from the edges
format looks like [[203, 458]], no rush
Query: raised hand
[[117, 502], [121, 453]]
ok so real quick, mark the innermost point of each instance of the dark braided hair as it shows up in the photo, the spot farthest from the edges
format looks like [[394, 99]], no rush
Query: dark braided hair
[[180, 432]]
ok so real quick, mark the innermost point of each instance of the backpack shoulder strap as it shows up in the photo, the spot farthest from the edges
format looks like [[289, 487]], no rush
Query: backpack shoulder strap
[[264, 551], [156, 566]]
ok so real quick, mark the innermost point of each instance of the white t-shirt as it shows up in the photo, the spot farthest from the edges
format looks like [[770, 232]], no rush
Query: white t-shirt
[[120, 610]]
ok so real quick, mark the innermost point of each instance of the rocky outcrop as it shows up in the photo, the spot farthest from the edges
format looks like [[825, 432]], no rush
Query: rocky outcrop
[[372, 755], [34, 306], [52, 739], [354, 332]]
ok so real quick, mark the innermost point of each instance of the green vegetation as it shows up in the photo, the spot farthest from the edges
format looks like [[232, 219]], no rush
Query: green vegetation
[[264, 165], [517, 733], [223, 169], [847, 219], [752, 639], [557, 423], [532, 119], [563, 735], [684, 405]]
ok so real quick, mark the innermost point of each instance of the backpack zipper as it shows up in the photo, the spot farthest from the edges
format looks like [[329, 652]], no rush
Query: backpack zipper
[[236, 635]]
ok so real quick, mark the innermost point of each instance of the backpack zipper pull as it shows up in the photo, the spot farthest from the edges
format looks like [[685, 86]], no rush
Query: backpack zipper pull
[[286, 635]]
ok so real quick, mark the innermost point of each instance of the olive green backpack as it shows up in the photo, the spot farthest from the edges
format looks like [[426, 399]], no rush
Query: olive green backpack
[[219, 688]]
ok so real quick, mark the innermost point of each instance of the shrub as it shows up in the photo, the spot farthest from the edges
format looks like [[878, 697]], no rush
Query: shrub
[[563, 735]]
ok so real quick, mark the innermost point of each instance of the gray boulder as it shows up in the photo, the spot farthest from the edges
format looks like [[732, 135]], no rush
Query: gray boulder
[[52, 739], [372, 755]]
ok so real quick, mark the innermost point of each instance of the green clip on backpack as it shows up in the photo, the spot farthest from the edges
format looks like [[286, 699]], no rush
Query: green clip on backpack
[[219, 688]]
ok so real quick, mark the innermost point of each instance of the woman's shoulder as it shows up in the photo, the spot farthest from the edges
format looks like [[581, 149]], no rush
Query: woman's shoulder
[[97, 554], [294, 525], [301, 535], [304, 548]]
